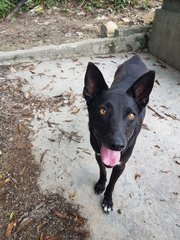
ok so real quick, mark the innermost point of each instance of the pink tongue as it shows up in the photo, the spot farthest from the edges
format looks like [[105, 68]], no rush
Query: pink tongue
[[110, 157]]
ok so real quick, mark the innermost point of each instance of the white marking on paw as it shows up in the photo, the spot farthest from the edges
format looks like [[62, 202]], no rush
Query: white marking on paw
[[109, 209], [105, 209]]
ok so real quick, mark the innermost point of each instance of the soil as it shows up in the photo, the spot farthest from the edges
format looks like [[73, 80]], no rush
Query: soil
[[25, 212], [60, 25]]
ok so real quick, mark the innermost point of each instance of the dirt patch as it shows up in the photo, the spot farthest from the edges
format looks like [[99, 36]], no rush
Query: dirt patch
[[26, 213], [56, 26]]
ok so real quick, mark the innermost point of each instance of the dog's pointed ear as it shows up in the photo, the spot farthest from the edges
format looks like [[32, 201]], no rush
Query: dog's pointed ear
[[142, 88], [94, 82]]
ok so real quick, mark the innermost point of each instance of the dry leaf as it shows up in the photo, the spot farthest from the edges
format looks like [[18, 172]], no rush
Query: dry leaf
[[4, 181], [72, 195], [171, 116], [61, 215], [12, 69], [52, 237], [42, 236], [145, 126], [78, 219], [32, 69], [156, 81], [27, 115], [72, 98], [75, 110], [137, 176], [45, 87], [157, 146], [165, 171], [9, 229], [21, 128]]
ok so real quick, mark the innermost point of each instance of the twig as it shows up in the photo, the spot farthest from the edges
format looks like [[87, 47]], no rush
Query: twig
[[52, 123], [42, 156], [159, 115], [171, 116], [82, 3]]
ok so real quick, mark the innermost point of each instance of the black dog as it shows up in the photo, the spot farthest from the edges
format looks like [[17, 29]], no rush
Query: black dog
[[115, 117]]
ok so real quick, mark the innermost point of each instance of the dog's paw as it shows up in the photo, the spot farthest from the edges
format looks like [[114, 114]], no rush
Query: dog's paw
[[107, 206], [99, 188]]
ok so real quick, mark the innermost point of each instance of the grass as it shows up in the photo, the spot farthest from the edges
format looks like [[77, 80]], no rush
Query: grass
[[6, 6]]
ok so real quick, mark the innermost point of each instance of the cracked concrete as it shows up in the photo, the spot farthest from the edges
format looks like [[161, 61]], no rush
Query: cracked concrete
[[146, 199]]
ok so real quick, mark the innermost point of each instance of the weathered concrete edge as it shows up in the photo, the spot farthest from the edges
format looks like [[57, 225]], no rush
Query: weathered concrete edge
[[92, 47]]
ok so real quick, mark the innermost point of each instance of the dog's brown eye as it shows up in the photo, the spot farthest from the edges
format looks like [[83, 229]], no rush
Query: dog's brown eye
[[131, 116], [102, 111]]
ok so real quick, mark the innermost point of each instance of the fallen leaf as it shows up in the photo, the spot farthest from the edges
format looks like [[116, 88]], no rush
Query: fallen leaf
[[4, 181], [32, 69], [45, 87], [177, 162], [52, 140], [61, 215], [52, 237], [67, 120], [12, 69], [11, 216], [27, 115], [87, 152], [145, 126], [75, 110], [42, 236], [23, 223], [126, 20], [72, 98], [155, 112], [21, 128], [171, 116], [137, 175], [164, 107], [156, 81], [78, 219], [119, 211], [162, 65], [9, 229], [72, 195], [165, 171]]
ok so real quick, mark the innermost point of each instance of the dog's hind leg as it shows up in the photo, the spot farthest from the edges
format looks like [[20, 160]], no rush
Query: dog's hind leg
[[101, 183], [107, 203]]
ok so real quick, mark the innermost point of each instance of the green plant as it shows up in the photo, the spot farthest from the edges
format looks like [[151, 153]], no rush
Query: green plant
[[124, 3], [5, 7], [146, 4], [90, 5]]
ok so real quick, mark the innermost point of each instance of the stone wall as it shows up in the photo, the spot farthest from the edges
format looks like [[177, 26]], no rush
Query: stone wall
[[165, 37]]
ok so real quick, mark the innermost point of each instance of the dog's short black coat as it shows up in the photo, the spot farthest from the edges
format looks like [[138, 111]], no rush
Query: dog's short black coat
[[115, 117]]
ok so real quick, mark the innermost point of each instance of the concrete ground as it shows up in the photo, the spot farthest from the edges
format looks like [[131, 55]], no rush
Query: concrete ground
[[146, 196]]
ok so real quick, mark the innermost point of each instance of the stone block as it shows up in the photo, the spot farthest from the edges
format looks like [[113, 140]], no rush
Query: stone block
[[165, 37]]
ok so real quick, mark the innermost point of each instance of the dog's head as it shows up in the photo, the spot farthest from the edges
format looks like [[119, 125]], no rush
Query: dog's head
[[113, 114]]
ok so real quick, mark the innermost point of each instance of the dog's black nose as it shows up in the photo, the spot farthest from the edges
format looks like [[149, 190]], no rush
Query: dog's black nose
[[117, 145]]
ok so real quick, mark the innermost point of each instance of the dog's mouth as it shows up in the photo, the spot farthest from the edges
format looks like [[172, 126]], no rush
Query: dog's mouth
[[110, 157]]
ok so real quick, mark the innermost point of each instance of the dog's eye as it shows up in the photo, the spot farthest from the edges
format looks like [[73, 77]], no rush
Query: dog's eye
[[131, 116], [102, 111]]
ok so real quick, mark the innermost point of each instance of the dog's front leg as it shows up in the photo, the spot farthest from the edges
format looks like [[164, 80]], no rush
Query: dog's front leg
[[107, 204], [101, 183]]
